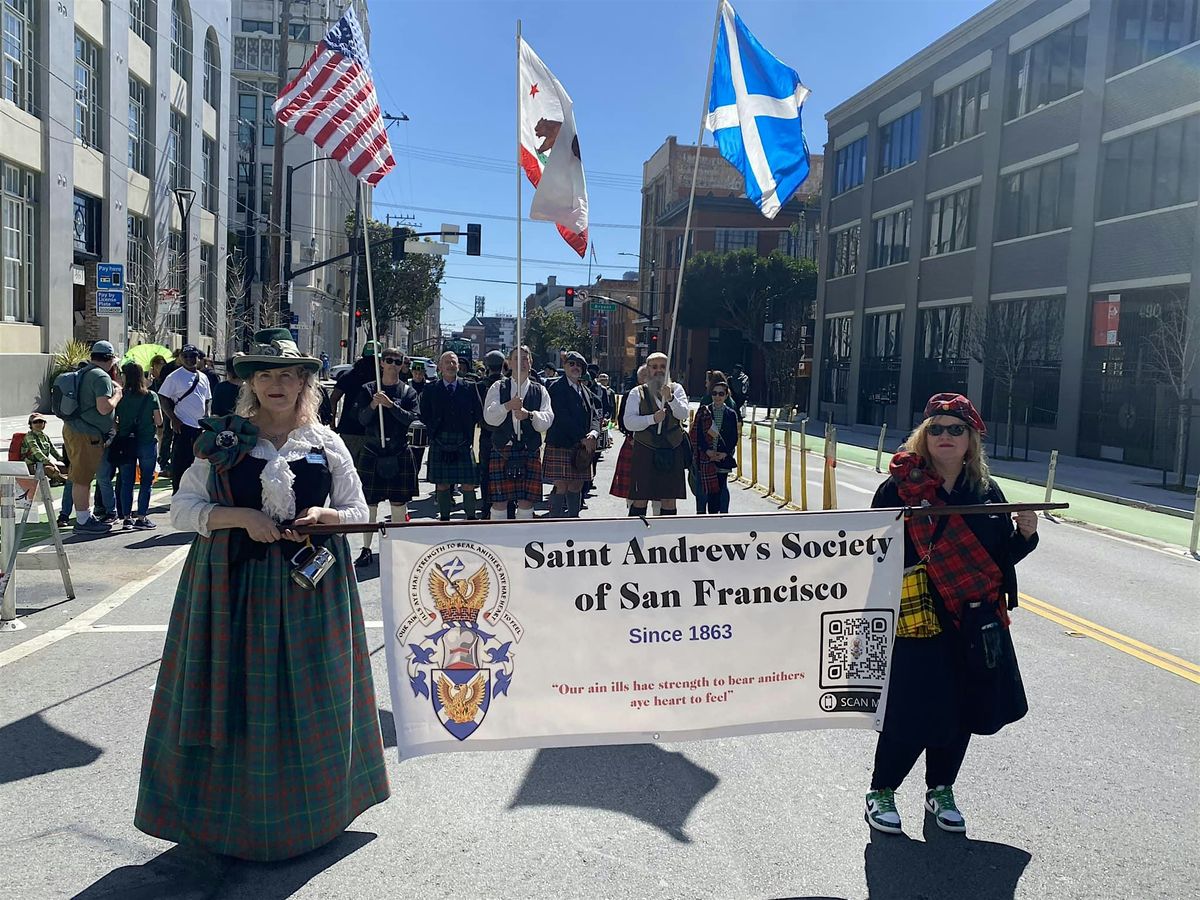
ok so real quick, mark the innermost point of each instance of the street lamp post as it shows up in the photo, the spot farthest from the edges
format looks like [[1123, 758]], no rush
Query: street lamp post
[[184, 198]]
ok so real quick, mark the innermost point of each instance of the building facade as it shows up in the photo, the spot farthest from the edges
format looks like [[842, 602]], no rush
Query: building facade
[[107, 110], [723, 219], [1012, 213], [322, 192]]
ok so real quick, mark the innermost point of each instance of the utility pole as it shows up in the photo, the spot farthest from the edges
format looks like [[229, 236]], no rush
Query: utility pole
[[276, 280]]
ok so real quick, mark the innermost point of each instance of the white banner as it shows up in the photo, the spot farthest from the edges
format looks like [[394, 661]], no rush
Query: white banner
[[511, 635]]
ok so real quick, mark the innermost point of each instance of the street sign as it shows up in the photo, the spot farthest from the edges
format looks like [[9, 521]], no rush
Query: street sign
[[110, 289], [295, 318], [450, 233], [429, 248], [601, 306], [295, 333]]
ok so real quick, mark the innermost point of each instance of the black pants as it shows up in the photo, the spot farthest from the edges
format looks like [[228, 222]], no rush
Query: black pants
[[894, 759], [183, 454]]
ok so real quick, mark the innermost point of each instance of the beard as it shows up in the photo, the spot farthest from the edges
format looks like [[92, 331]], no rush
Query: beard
[[656, 382]]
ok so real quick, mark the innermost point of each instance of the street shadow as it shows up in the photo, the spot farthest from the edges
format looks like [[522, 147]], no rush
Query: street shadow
[[943, 865], [32, 746], [175, 539], [189, 873], [659, 787]]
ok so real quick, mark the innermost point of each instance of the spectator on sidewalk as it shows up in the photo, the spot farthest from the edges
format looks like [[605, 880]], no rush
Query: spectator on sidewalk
[[185, 399], [85, 434], [36, 447], [138, 415], [160, 368], [953, 668]]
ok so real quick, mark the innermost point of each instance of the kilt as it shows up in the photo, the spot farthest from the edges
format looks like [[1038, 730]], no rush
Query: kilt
[[556, 465], [503, 488], [263, 741], [707, 472], [648, 483], [400, 489], [623, 476], [459, 468]]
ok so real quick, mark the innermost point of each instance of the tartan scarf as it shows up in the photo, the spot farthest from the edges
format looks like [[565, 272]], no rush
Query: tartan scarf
[[960, 567]]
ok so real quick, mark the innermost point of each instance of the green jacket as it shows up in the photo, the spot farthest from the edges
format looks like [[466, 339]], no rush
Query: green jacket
[[38, 448]]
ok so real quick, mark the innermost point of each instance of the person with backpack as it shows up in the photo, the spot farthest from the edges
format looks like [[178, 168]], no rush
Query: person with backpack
[[138, 420], [185, 399], [86, 400]]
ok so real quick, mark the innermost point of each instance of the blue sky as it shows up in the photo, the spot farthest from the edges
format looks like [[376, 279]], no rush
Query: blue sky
[[636, 72]]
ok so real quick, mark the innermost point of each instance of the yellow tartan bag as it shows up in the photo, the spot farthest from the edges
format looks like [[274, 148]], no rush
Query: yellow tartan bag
[[918, 618]]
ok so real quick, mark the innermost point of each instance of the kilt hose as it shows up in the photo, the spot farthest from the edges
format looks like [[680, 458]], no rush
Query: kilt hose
[[263, 741], [556, 465], [504, 487], [649, 483], [623, 476], [451, 465], [400, 489]]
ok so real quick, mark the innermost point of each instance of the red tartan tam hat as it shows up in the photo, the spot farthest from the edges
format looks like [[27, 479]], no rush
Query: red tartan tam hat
[[955, 405]]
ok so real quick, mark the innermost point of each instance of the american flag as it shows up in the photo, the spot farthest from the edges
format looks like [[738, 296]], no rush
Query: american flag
[[333, 103]]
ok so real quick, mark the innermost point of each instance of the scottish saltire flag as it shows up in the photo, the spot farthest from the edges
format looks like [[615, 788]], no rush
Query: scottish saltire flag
[[333, 103], [754, 115]]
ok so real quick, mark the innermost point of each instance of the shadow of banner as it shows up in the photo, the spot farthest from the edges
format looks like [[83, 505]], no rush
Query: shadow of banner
[[32, 746]]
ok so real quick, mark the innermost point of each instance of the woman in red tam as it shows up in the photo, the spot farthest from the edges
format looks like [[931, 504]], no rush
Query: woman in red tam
[[960, 576]]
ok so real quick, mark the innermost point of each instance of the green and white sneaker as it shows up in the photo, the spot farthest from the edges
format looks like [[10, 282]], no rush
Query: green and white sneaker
[[940, 802], [881, 812]]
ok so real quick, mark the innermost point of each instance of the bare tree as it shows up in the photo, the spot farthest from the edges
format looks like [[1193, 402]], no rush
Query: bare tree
[[156, 270], [1010, 339], [1173, 348], [238, 318]]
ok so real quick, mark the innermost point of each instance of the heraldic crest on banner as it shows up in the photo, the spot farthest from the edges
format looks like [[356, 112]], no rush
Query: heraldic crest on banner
[[460, 633]]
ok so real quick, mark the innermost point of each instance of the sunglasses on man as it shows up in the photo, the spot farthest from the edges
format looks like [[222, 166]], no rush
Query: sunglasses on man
[[953, 430], [719, 394], [392, 361]]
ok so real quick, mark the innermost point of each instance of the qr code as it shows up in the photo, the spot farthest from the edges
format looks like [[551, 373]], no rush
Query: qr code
[[854, 647]]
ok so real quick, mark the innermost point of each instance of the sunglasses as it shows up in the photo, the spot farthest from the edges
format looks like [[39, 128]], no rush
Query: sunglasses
[[953, 430], [392, 361], [719, 394]]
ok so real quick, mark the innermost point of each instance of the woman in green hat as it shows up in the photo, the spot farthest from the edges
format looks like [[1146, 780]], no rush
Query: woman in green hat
[[264, 740]]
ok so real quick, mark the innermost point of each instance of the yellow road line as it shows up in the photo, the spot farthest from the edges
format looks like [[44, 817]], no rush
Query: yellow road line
[[1116, 640]]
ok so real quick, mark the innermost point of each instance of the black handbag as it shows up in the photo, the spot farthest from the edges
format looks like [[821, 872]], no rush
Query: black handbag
[[993, 693], [123, 450]]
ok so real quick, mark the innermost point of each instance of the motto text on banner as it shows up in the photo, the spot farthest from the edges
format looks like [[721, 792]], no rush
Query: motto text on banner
[[565, 633]]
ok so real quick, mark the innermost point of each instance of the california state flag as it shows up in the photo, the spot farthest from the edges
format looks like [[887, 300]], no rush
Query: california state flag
[[550, 152]]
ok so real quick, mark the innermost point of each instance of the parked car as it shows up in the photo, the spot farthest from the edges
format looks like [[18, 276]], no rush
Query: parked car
[[338, 371]]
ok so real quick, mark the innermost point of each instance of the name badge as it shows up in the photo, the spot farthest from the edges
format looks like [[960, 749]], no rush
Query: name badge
[[316, 456]]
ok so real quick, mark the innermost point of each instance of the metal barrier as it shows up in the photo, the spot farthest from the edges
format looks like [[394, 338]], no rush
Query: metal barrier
[[879, 449], [1192, 544], [829, 485], [771, 461], [753, 454], [12, 473], [1050, 480], [803, 465], [787, 466]]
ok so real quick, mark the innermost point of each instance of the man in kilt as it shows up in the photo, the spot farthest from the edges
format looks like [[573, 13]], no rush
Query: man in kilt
[[572, 438], [655, 413], [388, 471], [623, 475], [519, 410], [451, 410], [494, 362]]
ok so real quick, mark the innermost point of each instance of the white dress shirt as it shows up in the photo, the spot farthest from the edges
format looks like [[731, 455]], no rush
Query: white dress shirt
[[635, 421], [494, 412]]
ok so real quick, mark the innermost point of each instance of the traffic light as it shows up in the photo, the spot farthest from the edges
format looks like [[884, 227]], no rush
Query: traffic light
[[399, 236], [569, 301], [473, 239], [652, 343]]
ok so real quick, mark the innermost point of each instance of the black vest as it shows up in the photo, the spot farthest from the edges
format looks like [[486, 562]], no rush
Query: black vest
[[572, 414], [505, 434]]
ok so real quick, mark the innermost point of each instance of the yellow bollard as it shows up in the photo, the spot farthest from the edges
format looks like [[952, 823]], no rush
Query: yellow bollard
[[829, 486], [803, 467], [771, 462], [787, 467], [753, 454]]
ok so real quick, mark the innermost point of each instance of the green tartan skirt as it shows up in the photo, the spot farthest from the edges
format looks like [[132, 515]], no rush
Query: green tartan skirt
[[264, 740]]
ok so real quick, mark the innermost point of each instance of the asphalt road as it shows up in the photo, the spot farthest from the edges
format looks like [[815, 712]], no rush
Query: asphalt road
[[1092, 795]]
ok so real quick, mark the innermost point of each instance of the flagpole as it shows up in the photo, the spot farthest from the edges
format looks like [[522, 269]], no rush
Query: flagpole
[[520, 174], [687, 225], [366, 233]]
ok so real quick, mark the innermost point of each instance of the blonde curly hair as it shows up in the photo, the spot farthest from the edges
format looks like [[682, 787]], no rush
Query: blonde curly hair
[[308, 403], [974, 462]]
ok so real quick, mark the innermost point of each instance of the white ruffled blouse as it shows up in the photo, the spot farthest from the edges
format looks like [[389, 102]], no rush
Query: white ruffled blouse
[[191, 506]]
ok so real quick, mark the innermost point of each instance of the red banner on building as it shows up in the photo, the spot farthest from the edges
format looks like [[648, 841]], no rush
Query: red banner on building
[[1106, 321]]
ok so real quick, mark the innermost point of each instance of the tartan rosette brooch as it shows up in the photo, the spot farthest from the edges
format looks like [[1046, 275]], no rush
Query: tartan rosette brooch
[[225, 440]]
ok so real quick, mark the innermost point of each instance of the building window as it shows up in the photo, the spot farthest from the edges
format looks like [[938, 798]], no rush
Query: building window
[[1037, 199], [900, 142], [1151, 169], [208, 163], [212, 71], [137, 127], [728, 239], [86, 228], [1021, 351], [1048, 70], [299, 31], [246, 190], [178, 160], [268, 118], [18, 243], [206, 289], [87, 91], [843, 247], [251, 26], [879, 373], [139, 274], [851, 166], [890, 244], [141, 19], [952, 222], [800, 241], [181, 39], [247, 119], [942, 356], [18, 42], [835, 376], [1147, 29], [254, 54], [268, 180], [958, 113]]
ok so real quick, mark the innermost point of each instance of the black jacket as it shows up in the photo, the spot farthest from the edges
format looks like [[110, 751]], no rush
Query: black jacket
[[995, 532], [451, 412], [574, 415], [395, 420]]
